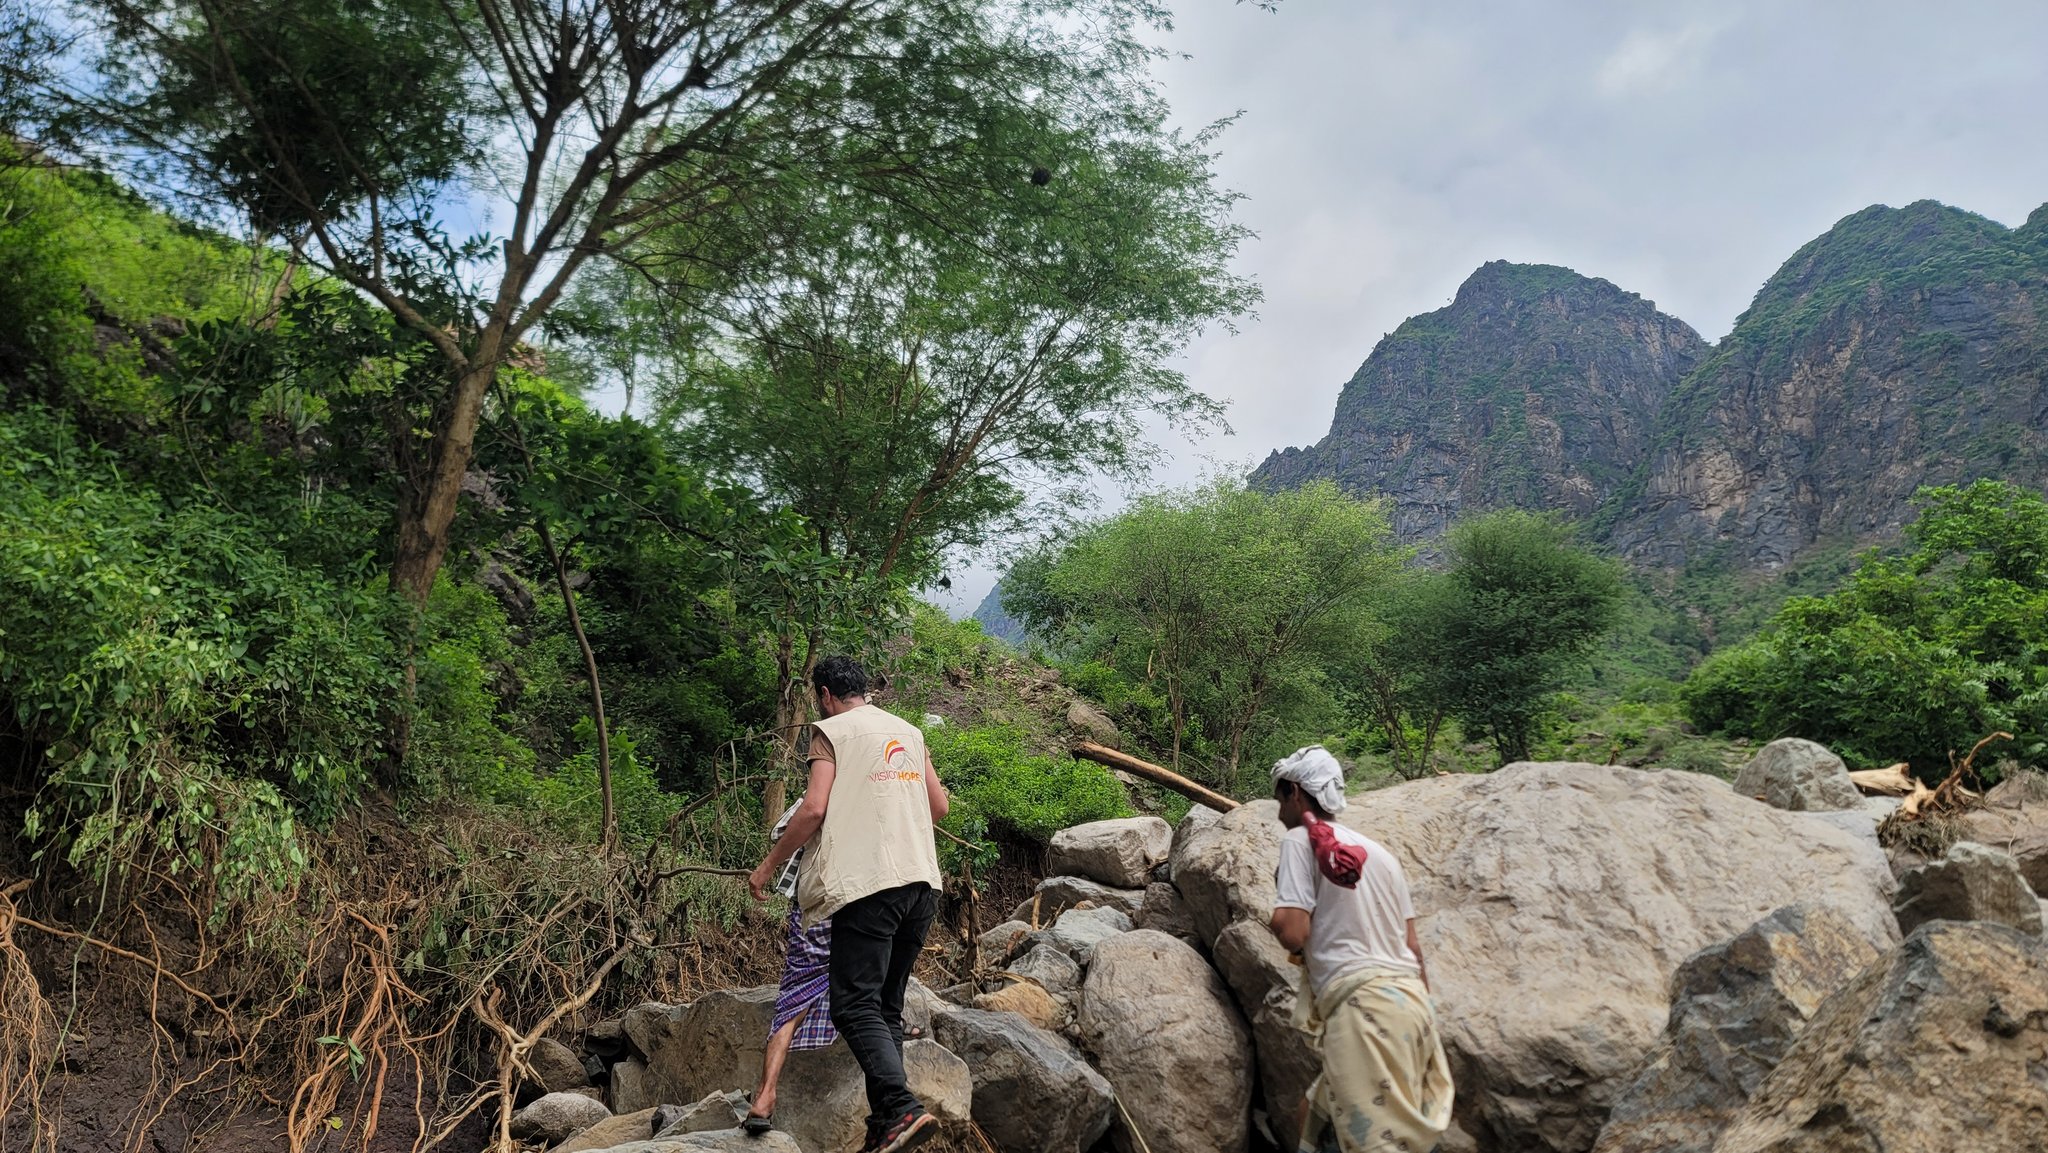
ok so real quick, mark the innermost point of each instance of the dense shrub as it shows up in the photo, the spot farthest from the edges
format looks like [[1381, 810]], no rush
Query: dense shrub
[[996, 781]]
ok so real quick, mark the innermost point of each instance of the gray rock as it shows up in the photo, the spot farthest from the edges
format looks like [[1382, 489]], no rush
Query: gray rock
[[714, 1043], [1554, 903], [1051, 969], [1117, 853], [635, 1126], [555, 1116], [1735, 1009], [1078, 931], [2014, 818], [1198, 817], [1800, 776], [1056, 895], [919, 1004], [1938, 1047], [716, 1111], [1266, 982], [720, 1141], [1167, 1036], [634, 1089], [824, 1104], [1971, 882], [1091, 722], [1165, 911], [556, 1067], [1032, 1092], [998, 943]]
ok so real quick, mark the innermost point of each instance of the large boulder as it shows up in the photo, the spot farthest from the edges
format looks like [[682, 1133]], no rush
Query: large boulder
[[638, 1125], [1078, 931], [1119, 853], [1091, 722], [1555, 902], [1971, 882], [1167, 1035], [2014, 818], [1055, 895], [716, 1042], [824, 1103], [1165, 910], [1032, 1093], [634, 1088], [554, 1116], [1266, 981], [1735, 1009], [1800, 776], [1939, 1047], [1223, 866], [718, 1111]]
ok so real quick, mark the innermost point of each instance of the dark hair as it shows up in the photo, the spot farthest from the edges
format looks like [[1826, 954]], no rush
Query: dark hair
[[841, 676]]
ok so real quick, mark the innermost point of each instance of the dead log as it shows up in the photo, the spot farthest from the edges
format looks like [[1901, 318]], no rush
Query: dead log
[[1103, 755], [1895, 781]]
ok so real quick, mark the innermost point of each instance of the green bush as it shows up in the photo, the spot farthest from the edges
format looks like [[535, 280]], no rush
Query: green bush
[[995, 780]]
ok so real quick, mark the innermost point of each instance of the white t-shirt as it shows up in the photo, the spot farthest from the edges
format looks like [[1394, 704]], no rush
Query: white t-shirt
[[1348, 928]]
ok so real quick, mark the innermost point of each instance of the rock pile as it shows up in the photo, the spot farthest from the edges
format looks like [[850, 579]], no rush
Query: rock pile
[[1622, 959]]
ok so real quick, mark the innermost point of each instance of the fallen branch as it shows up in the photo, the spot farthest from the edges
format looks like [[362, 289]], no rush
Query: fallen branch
[[1103, 755], [1893, 781]]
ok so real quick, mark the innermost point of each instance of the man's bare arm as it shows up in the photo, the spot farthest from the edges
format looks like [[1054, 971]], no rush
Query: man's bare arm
[[934, 792], [803, 825], [1415, 947], [1291, 926]]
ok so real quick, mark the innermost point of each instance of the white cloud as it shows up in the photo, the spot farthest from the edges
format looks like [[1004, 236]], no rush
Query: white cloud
[[1652, 59]]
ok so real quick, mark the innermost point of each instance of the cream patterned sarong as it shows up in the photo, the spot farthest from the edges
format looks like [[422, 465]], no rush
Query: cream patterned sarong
[[1385, 1085]]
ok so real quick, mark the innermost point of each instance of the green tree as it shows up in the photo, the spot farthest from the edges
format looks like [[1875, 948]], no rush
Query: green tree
[[1233, 601], [1918, 656], [1516, 612], [581, 130]]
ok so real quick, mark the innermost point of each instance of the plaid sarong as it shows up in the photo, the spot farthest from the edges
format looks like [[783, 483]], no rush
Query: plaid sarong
[[806, 984]]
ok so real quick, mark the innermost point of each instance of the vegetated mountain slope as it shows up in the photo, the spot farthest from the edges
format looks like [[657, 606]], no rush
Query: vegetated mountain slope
[[1904, 347], [995, 620], [1536, 387]]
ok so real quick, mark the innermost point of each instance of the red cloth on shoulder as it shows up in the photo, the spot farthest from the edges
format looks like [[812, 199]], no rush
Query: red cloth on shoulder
[[1340, 861]]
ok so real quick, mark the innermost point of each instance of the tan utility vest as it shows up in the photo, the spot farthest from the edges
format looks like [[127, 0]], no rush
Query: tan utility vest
[[878, 820]]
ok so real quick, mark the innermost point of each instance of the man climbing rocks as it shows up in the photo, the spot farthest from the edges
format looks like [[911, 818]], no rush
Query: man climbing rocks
[[1344, 906], [873, 868]]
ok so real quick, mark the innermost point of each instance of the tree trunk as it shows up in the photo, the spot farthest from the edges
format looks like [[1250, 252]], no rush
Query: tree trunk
[[609, 833], [424, 517]]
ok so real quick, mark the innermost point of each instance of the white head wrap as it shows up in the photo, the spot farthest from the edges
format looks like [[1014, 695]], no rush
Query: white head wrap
[[1318, 773]]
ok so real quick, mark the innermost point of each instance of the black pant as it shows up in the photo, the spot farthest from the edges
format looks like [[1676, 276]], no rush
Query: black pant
[[875, 943]]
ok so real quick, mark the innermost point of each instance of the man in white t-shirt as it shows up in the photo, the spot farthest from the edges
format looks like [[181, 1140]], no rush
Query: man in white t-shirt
[[1344, 906]]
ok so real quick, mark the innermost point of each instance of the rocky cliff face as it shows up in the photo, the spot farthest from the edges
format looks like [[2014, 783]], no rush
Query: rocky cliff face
[[1536, 387], [1905, 347]]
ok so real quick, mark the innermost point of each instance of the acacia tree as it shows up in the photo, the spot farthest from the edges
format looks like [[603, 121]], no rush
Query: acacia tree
[[919, 373], [571, 131], [1234, 601]]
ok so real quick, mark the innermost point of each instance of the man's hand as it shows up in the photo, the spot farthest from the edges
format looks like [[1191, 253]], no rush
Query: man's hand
[[759, 880]]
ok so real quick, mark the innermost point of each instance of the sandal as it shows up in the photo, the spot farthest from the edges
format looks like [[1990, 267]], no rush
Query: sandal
[[756, 1125]]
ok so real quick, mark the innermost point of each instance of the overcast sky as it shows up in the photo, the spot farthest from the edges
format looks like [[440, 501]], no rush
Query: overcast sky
[[1386, 148]]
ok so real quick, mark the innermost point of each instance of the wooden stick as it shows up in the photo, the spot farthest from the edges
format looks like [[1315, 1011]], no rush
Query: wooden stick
[[1102, 755]]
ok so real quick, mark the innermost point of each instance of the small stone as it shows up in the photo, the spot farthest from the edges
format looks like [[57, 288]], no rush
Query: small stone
[[1799, 776], [1971, 882]]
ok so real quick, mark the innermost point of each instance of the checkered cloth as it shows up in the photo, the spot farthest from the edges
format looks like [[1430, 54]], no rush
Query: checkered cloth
[[806, 985]]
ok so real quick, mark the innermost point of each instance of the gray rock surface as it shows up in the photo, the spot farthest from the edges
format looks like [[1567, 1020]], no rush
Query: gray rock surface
[[1198, 817], [1971, 882], [2014, 818], [1800, 776], [555, 1116], [720, 1141], [1078, 931], [1052, 970], [1166, 911], [1118, 853], [1032, 1092], [824, 1104], [1055, 895], [997, 943], [1939, 1047], [1266, 983], [626, 1127], [1169, 1039], [1091, 722], [714, 1043], [717, 1111], [1735, 1009], [634, 1088], [1554, 903], [556, 1067]]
